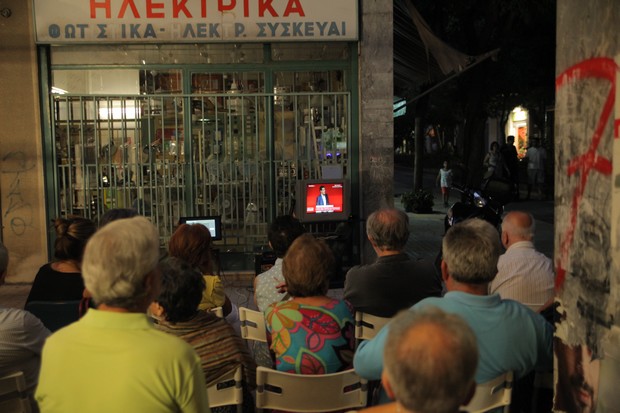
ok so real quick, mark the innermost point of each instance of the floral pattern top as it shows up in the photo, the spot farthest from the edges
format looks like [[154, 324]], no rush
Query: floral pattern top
[[311, 339]]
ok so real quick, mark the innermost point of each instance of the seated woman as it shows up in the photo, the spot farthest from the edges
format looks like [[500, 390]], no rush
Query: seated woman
[[176, 312], [192, 243], [61, 280], [311, 333]]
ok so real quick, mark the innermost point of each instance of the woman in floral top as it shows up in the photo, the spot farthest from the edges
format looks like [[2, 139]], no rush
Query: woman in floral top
[[311, 333]]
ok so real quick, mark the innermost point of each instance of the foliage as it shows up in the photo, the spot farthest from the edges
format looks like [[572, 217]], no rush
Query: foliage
[[419, 201]]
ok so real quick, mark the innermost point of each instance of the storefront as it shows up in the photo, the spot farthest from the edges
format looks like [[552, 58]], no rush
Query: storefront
[[206, 108]]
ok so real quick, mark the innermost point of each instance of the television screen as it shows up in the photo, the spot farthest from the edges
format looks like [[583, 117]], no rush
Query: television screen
[[214, 223], [323, 200]]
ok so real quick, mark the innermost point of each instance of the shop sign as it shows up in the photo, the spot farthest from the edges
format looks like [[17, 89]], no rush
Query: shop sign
[[194, 21]]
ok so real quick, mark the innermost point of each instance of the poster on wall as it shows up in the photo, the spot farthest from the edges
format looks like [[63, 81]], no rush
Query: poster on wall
[[587, 258], [194, 21]]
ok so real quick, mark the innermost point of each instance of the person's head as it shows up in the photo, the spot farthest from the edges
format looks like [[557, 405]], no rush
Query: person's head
[[445, 164], [510, 140], [536, 142], [181, 290], [471, 249], [388, 229], [117, 213], [494, 146], [192, 243], [119, 266], [4, 262], [282, 232], [72, 234], [322, 190], [430, 360], [517, 226], [306, 267], [578, 378]]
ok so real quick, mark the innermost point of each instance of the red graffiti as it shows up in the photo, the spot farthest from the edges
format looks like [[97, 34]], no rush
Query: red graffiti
[[598, 68]]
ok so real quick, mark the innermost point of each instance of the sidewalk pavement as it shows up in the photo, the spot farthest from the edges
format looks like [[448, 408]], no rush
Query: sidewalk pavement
[[427, 229]]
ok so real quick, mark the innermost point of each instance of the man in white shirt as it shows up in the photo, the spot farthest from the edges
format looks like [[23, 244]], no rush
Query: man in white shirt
[[524, 274], [536, 157]]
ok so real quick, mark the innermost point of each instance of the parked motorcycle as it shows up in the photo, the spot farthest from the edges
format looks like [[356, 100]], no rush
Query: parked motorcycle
[[474, 204]]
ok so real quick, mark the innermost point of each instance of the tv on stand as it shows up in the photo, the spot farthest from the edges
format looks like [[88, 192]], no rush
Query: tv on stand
[[322, 200]]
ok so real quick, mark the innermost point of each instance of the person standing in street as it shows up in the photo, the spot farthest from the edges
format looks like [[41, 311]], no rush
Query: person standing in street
[[444, 179], [511, 160], [536, 157]]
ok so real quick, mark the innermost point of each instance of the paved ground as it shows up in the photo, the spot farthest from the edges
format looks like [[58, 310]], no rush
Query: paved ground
[[427, 229]]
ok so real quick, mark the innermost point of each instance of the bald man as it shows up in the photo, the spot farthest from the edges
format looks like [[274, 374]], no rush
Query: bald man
[[421, 352], [524, 274]]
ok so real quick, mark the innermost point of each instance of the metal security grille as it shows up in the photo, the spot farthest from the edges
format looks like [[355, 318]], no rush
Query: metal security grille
[[174, 155]]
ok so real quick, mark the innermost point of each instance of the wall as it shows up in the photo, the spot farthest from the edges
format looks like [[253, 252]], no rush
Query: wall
[[21, 166], [376, 119], [587, 249]]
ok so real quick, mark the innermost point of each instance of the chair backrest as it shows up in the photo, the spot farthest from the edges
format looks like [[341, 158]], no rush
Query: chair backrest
[[309, 393], [252, 325], [55, 315], [491, 395], [13, 394], [218, 311], [368, 325], [227, 390]]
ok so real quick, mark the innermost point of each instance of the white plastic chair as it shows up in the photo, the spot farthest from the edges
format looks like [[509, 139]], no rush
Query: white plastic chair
[[227, 390], [368, 325], [491, 395], [252, 325], [13, 395], [309, 393]]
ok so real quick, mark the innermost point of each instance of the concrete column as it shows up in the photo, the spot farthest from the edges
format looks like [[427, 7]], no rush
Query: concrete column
[[21, 168], [587, 248], [376, 118]]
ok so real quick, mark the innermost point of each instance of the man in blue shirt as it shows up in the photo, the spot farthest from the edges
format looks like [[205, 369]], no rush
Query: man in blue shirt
[[511, 337]]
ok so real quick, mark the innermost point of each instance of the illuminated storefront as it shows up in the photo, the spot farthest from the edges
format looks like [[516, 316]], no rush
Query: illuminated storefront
[[197, 108]]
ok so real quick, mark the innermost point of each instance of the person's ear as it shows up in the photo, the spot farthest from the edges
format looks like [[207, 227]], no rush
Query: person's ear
[[157, 310], [504, 237], [444, 271], [385, 382]]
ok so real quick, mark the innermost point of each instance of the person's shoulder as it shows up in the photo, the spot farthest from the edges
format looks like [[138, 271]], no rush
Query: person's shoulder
[[13, 316], [166, 344]]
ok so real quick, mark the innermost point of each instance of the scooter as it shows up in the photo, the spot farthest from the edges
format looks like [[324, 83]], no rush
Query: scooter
[[474, 204]]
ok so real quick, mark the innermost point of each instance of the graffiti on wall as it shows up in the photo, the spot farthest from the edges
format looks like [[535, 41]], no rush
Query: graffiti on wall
[[17, 213], [587, 289]]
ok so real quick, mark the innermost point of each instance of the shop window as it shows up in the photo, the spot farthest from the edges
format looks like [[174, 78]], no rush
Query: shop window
[[187, 142]]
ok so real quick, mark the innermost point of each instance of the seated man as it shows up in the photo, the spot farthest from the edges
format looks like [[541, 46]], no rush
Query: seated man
[[523, 274], [113, 359], [510, 336], [21, 338], [394, 281], [430, 361]]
